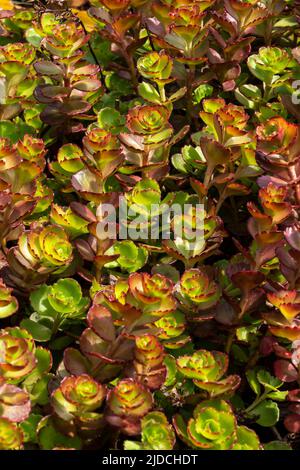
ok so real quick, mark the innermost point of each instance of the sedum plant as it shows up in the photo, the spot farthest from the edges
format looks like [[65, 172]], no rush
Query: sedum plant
[[127, 403], [74, 403], [11, 435], [18, 359], [157, 434], [207, 369], [213, 427], [53, 306], [9, 304]]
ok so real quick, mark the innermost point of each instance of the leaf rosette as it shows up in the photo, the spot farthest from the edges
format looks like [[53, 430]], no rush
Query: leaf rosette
[[148, 364], [207, 368], [127, 403], [142, 297], [287, 302], [212, 427], [55, 307], [8, 303], [77, 396], [270, 63], [156, 66], [103, 351], [18, 52], [17, 358], [151, 123], [198, 289], [32, 149], [157, 433], [276, 135], [72, 223], [102, 151], [130, 257], [65, 39], [172, 329], [14, 402], [11, 437], [285, 322], [40, 251], [232, 118], [273, 201], [69, 161], [65, 296]]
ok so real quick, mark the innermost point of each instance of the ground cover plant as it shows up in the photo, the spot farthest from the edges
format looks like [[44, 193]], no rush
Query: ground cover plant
[[155, 343]]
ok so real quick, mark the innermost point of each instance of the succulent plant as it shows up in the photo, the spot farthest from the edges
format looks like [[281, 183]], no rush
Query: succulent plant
[[40, 251], [148, 361], [142, 297], [157, 434], [197, 289], [213, 427], [15, 403], [11, 437], [130, 257], [64, 297], [54, 306], [262, 64], [156, 66], [150, 123], [207, 369], [17, 354], [127, 403], [8, 303], [76, 400]]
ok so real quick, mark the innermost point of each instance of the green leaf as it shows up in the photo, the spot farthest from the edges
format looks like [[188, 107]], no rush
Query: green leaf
[[177, 95], [267, 412], [110, 119], [253, 382], [251, 91], [244, 100], [170, 363], [38, 331], [49, 437], [202, 91], [15, 130], [39, 300], [132, 258], [29, 427], [267, 380], [278, 395], [39, 393], [247, 439], [277, 445], [133, 445], [149, 93], [33, 37], [246, 333]]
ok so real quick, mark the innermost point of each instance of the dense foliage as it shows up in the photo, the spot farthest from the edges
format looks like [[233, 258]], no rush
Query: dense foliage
[[156, 343]]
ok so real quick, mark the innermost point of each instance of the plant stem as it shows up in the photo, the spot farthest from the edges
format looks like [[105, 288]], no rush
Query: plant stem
[[256, 402], [221, 200], [189, 92], [162, 93], [293, 175], [56, 324], [229, 341], [276, 433], [132, 68], [94, 56]]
